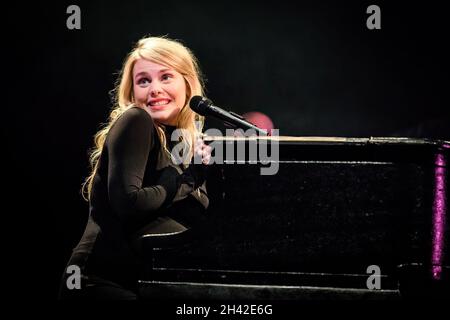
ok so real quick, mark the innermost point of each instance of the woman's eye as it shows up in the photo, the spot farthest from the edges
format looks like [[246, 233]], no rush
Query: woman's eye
[[143, 81], [166, 76]]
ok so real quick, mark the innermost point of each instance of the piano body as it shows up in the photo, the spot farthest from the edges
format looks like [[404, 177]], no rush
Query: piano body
[[343, 218]]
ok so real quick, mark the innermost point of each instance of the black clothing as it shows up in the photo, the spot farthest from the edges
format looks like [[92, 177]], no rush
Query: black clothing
[[135, 184]]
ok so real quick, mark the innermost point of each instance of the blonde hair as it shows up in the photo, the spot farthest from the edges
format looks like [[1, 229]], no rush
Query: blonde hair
[[176, 56]]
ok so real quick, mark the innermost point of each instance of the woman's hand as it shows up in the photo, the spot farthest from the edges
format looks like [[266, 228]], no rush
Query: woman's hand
[[202, 152], [195, 174]]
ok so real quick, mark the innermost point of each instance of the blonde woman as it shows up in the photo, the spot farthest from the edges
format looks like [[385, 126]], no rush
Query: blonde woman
[[136, 178]]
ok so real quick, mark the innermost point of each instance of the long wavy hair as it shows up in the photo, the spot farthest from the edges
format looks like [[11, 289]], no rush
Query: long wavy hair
[[164, 51]]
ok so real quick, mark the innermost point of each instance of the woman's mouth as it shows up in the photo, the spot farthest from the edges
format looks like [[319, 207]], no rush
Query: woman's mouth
[[158, 104]]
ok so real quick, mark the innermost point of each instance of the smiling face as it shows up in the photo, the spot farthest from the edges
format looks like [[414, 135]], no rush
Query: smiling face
[[160, 90]]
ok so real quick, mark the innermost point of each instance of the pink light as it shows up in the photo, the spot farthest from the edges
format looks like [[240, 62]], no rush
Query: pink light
[[439, 212]]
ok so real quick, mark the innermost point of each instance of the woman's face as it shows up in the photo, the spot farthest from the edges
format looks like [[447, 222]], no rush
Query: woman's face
[[161, 91]]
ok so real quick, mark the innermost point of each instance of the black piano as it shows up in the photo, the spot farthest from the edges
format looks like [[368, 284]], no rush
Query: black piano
[[343, 218]]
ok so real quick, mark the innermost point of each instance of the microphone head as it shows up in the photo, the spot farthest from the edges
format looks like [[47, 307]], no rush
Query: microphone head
[[200, 104]]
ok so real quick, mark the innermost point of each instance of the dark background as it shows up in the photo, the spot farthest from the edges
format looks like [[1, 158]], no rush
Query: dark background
[[313, 67]]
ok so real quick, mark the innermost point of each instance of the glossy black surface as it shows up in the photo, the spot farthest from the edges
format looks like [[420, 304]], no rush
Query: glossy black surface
[[332, 210]]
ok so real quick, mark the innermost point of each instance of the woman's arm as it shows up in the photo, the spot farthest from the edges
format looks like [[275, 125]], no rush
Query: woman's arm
[[129, 144]]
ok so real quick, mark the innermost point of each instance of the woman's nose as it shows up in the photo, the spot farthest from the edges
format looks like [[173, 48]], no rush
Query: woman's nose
[[155, 89]]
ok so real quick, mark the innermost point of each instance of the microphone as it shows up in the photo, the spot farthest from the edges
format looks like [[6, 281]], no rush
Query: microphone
[[203, 106]]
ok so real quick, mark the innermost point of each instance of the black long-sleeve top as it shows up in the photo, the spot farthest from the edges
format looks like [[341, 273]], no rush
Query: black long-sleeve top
[[134, 184]]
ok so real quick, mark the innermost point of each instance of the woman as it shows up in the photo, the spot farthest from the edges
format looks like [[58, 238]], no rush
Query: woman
[[136, 179]]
